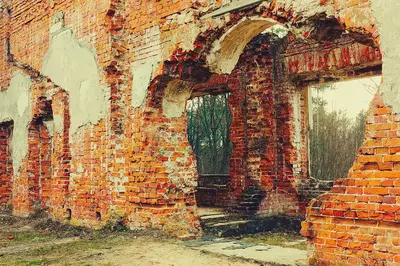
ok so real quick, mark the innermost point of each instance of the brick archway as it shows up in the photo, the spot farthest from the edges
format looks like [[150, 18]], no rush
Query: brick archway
[[214, 48]]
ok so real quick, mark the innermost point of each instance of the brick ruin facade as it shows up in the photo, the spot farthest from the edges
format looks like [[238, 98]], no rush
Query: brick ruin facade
[[93, 126]]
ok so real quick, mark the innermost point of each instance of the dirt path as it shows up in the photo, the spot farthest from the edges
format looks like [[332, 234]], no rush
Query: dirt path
[[143, 251], [42, 242], [149, 253]]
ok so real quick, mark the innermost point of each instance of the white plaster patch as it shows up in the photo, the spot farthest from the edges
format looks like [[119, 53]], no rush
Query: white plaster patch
[[58, 22], [297, 144], [50, 126], [175, 97], [15, 105], [22, 104], [142, 74], [186, 36], [58, 123], [73, 66], [386, 13], [80, 169]]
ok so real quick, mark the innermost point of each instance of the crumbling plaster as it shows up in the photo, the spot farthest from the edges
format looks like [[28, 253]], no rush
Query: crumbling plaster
[[305, 8], [73, 66], [175, 98], [142, 75], [389, 29], [15, 106], [223, 56]]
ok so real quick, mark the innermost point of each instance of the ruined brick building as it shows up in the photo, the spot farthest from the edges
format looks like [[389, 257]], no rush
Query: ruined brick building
[[93, 126]]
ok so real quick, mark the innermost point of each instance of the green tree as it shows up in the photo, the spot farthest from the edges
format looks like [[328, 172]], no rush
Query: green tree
[[334, 139], [208, 133]]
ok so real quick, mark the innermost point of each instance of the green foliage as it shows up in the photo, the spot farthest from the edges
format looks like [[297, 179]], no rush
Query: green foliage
[[334, 139], [208, 133]]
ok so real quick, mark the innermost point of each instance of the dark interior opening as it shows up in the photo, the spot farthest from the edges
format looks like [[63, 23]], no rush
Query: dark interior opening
[[98, 216], [69, 214]]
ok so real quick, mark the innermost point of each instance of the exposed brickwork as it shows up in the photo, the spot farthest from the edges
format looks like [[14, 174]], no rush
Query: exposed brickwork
[[61, 157], [308, 63], [135, 162], [6, 169], [357, 221], [40, 168]]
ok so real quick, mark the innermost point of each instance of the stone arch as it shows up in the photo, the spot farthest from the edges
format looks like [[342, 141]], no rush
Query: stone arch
[[226, 51]]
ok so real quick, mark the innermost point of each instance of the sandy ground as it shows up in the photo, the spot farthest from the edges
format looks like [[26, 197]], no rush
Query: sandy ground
[[41, 242], [149, 253]]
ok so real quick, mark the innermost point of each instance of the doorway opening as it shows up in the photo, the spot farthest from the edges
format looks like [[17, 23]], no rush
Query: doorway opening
[[208, 130]]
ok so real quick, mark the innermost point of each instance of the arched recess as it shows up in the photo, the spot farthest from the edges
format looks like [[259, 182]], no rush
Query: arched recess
[[6, 167], [226, 51], [40, 166], [163, 167]]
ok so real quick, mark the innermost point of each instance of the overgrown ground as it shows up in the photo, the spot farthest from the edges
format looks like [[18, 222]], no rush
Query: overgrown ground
[[282, 238], [40, 241]]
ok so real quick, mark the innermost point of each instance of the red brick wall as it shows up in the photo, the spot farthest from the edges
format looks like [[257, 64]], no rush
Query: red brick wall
[[5, 73], [161, 170], [61, 157], [40, 167], [137, 164], [342, 59], [31, 20], [269, 128], [357, 221], [6, 168]]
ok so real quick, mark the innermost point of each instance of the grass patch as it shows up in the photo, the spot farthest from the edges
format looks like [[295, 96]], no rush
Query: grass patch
[[72, 253], [277, 238], [41, 241], [24, 237]]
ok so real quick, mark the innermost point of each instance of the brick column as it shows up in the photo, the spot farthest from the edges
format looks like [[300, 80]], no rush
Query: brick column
[[61, 156]]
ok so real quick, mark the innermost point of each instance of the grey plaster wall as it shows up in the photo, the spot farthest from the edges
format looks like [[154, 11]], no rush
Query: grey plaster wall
[[386, 12], [73, 66], [15, 106]]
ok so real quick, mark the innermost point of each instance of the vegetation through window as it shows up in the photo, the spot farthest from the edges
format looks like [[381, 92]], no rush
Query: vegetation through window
[[337, 125], [208, 126]]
